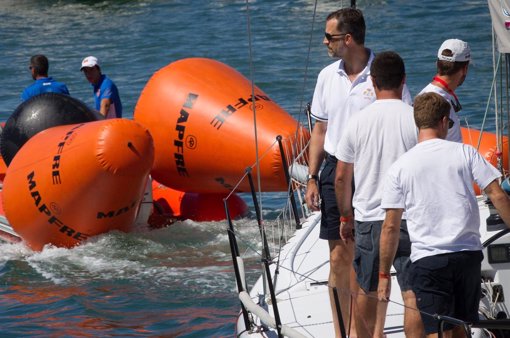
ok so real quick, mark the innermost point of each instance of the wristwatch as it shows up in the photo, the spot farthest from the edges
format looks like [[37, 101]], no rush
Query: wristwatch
[[311, 177]]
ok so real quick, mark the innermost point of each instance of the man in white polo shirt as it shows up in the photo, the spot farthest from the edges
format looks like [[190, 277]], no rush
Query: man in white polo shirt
[[342, 88]]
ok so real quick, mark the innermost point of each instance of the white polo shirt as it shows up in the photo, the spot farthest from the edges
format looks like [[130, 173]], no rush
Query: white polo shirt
[[335, 99], [454, 133], [433, 183]]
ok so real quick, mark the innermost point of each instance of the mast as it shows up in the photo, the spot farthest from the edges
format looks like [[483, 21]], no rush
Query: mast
[[500, 17]]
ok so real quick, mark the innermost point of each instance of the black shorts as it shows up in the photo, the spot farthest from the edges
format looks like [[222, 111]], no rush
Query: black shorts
[[448, 285], [366, 255], [330, 221]]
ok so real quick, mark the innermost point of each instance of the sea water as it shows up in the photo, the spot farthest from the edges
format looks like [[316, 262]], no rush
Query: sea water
[[179, 281]]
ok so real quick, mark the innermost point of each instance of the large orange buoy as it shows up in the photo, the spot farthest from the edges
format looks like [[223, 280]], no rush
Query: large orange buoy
[[200, 114], [488, 148], [199, 207], [71, 182]]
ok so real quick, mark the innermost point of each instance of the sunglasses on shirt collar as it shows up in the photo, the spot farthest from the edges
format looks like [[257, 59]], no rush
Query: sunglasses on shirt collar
[[456, 105]]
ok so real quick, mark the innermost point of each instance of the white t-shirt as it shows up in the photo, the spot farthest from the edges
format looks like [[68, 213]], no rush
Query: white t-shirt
[[454, 134], [433, 182], [374, 139]]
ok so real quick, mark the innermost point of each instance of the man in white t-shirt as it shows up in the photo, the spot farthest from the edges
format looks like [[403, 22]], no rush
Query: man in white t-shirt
[[374, 138], [452, 67], [433, 184]]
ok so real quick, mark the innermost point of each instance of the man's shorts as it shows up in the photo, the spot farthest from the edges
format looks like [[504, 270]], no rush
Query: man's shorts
[[448, 285], [366, 255], [330, 221]]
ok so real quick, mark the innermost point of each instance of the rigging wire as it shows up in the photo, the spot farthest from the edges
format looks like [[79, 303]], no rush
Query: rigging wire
[[307, 61], [503, 125], [302, 100], [493, 90], [496, 106], [254, 109], [253, 105]]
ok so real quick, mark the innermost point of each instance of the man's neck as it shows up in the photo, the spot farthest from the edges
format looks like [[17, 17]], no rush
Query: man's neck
[[451, 82], [428, 134], [356, 61], [388, 94]]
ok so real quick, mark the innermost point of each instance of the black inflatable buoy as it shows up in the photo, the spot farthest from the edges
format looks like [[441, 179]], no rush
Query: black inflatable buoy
[[39, 113]]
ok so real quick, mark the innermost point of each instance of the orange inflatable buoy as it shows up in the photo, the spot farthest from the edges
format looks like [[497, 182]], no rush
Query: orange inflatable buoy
[[199, 207], [200, 114], [488, 148], [3, 169], [71, 182]]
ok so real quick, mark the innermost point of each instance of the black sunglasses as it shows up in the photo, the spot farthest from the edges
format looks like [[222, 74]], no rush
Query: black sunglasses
[[450, 123], [331, 37]]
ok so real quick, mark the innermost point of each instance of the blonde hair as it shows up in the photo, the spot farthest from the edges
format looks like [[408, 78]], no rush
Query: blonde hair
[[429, 109]]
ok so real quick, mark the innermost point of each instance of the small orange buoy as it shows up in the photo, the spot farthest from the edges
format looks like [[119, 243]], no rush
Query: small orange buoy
[[200, 113], [199, 207], [71, 182], [488, 149]]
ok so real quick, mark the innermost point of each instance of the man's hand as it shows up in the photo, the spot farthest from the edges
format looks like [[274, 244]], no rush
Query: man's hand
[[312, 197], [347, 230], [384, 289], [316, 156]]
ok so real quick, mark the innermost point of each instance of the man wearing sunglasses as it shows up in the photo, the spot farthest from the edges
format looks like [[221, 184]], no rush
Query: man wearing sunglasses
[[433, 184], [452, 66], [342, 88], [38, 67]]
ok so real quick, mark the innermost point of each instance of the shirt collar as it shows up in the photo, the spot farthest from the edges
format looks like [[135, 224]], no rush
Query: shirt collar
[[100, 82], [364, 72]]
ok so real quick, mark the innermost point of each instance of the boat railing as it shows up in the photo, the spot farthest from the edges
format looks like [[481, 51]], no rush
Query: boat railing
[[269, 254], [288, 221], [292, 212]]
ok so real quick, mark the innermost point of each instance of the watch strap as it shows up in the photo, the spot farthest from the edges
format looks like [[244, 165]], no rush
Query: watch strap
[[312, 177]]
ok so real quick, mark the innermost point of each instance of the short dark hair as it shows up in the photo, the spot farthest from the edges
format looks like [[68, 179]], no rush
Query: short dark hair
[[40, 64], [429, 109], [388, 70], [350, 21], [448, 67]]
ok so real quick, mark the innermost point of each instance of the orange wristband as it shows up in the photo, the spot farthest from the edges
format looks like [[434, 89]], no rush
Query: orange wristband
[[384, 275], [345, 219]]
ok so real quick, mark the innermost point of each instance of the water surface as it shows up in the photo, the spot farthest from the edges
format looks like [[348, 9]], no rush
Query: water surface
[[178, 282]]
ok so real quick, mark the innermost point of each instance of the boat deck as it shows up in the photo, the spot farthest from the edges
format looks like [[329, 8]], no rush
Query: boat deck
[[303, 295]]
